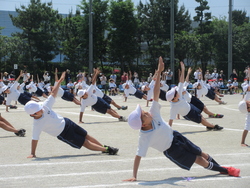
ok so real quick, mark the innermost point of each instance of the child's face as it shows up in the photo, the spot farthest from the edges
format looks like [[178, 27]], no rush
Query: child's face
[[146, 88], [85, 96], [7, 91], [146, 118], [126, 86], [37, 115]]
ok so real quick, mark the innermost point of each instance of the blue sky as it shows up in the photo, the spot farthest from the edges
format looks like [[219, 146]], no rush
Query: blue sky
[[217, 7]]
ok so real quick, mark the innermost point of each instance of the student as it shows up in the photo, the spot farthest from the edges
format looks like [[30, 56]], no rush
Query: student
[[149, 89], [244, 107], [65, 95], [195, 101], [88, 98], [45, 119], [106, 98], [32, 87], [130, 89], [14, 95], [156, 133], [180, 106], [4, 124]]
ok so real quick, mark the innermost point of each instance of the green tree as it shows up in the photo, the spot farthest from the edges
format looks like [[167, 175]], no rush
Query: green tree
[[239, 17], [122, 37], [100, 28], [204, 34], [74, 42], [40, 25], [154, 19]]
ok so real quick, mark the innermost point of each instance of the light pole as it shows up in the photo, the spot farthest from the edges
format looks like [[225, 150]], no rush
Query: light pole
[[90, 37], [230, 57]]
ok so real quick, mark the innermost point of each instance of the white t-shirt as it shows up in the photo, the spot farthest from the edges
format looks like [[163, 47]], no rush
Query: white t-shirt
[[50, 122], [130, 90], [91, 100], [181, 107], [159, 138], [14, 93], [151, 91]]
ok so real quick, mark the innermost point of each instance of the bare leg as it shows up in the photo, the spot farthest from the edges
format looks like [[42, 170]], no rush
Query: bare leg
[[93, 146], [5, 121], [201, 161], [76, 101], [80, 117], [244, 135], [116, 105], [92, 139], [147, 103], [205, 110], [206, 123], [113, 113]]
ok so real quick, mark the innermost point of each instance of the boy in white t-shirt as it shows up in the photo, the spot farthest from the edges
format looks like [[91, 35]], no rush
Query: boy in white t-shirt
[[156, 133], [46, 120], [179, 105]]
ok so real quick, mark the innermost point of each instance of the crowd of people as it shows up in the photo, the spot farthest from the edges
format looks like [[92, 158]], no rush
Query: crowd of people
[[185, 99]]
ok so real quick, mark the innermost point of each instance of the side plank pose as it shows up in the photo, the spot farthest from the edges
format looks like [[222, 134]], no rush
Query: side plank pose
[[156, 133], [45, 119]]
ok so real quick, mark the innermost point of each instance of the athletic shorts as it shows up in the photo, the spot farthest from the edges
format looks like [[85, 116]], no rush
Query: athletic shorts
[[39, 92], [67, 96], [197, 103], [107, 99], [162, 95], [73, 134], [101, 106], [210, 94], [24, 98], [138, 94], [182, 151], [1, 99], [194, 114]]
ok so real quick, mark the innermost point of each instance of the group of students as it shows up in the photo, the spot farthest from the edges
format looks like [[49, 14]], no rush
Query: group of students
[[154, 131]]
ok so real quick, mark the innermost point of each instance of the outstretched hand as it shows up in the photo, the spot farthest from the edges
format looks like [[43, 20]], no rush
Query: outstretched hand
[[160, 64]]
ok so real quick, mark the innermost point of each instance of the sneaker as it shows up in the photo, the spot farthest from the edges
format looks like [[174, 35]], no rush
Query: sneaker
[[233, 171], [217, 128], [106, 151], [223, 102], [122, 118], [112, 150], [124, 107], [21, 133], [216, 116]]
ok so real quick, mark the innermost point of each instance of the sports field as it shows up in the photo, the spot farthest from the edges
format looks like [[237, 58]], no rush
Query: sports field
[[59, 165]]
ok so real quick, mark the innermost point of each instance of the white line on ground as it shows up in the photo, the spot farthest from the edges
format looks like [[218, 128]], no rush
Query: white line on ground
[[105, 172]]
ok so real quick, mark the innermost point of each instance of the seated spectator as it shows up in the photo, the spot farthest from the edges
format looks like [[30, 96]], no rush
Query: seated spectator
[[112, 87]]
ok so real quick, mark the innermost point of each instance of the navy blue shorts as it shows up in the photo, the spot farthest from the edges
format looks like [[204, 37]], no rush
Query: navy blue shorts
[[73, 134], [39, 92], [210, 94], [1, 99], [182, 151], [101, 106], [162, 95], [67, 96], [197, 103], [138, 94], [107, 99], [24, 98], [194, 114]]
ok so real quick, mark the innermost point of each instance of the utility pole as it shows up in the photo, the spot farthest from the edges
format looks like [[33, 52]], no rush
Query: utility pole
[[172, 40], [230, 57], [90, 37]]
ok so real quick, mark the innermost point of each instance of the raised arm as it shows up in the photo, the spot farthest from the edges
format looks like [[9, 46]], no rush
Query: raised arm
[[182, 72], [18, 78], [56, 87], [157, 79], [188, 74]]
